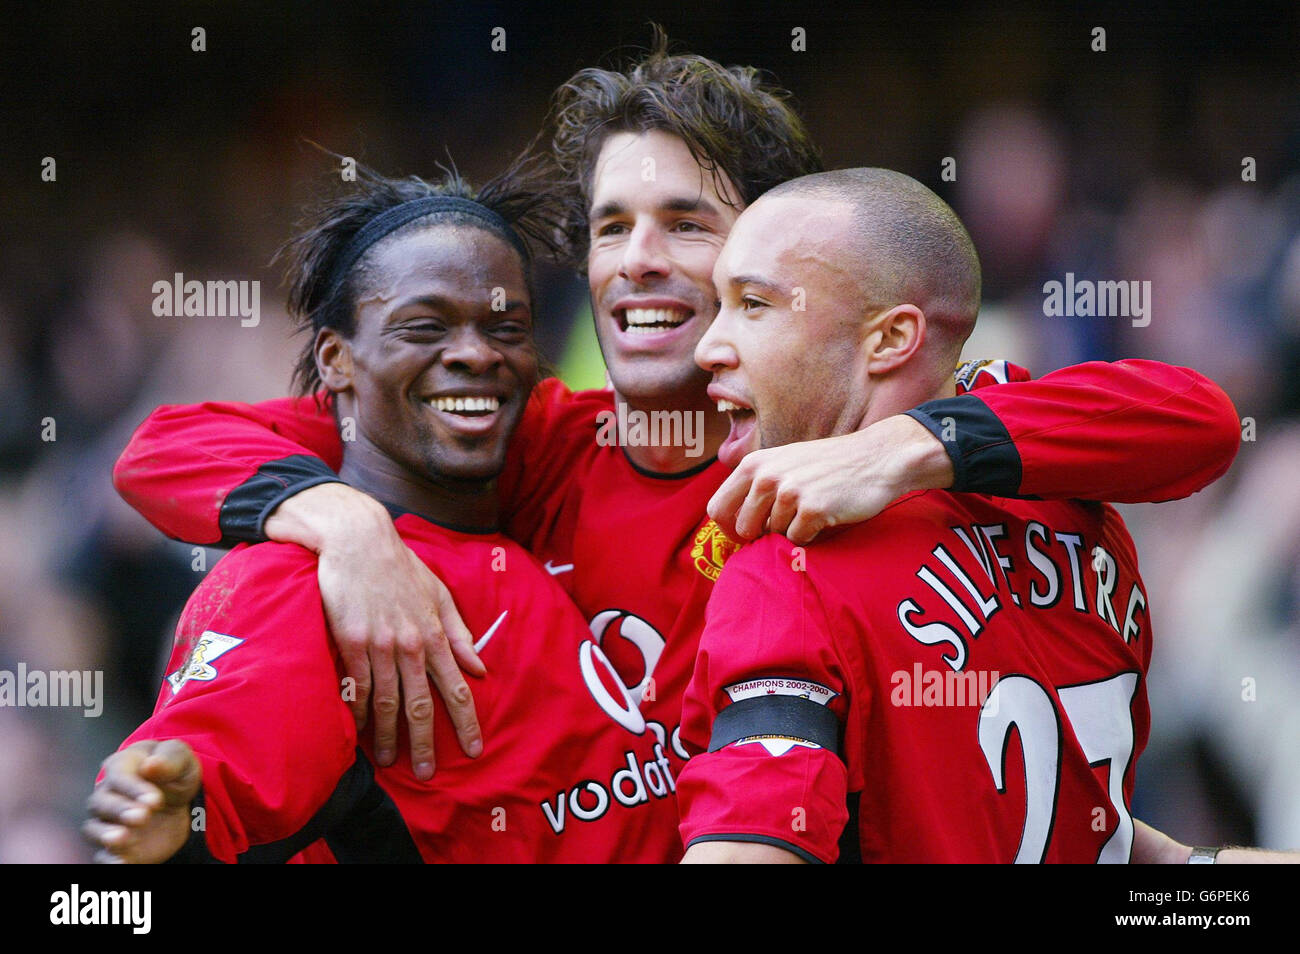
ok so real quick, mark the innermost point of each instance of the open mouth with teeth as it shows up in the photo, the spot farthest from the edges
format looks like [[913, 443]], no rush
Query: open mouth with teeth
[[466, 406], [467, 415], [743, 432], [649, 321]]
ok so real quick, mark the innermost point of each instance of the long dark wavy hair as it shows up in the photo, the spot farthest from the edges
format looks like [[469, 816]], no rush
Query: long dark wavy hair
[[731, 119]]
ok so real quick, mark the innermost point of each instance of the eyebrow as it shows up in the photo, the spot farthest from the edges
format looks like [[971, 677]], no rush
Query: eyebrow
[[442, 301], [756, 281], [681, 203]]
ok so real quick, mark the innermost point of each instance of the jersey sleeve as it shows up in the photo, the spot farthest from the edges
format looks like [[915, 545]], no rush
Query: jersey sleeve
[[253, 688], [212, 473], [763, 715], [1132, 431], [548, 456]]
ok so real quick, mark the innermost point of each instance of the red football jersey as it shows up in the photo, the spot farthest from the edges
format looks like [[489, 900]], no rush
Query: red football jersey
[[640, 555], [960, 679], [637, 551], [570, 771]]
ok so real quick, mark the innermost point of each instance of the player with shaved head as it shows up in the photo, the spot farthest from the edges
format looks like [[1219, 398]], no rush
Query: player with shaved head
[[901, 244], [858, 700]]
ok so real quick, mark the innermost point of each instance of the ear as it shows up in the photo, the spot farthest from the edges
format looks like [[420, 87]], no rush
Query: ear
[[894, 338], [334, 360]]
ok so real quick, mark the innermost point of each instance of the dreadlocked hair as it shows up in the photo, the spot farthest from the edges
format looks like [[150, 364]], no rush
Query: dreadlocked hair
[[519, 195]]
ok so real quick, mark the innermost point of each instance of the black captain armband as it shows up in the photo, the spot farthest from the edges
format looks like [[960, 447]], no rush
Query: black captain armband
[[776, 716]]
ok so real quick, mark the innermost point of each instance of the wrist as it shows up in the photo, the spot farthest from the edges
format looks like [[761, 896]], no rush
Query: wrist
[[327, 517], [193, 846], [925, 462], [1173, 853]]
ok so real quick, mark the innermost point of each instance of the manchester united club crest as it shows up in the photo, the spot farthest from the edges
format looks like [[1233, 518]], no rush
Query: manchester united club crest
[[711, 549]]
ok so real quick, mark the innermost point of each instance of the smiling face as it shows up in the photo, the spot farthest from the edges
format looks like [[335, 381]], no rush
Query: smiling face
[[786, 348], [657, 226], [435, 376]]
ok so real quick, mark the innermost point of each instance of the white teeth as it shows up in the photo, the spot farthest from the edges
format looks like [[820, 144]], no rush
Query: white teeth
[[645, 321], [465, 404], [724, 406]]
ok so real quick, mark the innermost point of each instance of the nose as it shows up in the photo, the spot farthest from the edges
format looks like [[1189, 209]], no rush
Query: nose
[[715, 352], [470, 350], [645, 255]]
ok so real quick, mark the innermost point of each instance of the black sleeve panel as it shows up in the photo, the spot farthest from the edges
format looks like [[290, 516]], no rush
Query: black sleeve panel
[[246, 508], [195, 850], [359, 822], [984, 457]]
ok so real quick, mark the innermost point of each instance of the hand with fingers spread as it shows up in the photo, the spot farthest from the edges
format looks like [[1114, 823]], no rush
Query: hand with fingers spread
[[139, 812], [394, 622], [802, 489]]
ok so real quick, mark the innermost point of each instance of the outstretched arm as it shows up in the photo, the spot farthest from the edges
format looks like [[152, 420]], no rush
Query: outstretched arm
[[1128, 432], [1133, 431]]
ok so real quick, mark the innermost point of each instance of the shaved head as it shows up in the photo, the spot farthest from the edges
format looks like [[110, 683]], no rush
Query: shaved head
[[843, 298], [907, 246]]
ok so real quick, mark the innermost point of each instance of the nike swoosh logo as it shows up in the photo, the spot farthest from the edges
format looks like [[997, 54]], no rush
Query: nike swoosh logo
[[478, 647], [556, 570]]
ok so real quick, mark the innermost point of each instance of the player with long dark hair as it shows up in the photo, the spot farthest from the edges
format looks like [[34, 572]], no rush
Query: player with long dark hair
[[418, 302]]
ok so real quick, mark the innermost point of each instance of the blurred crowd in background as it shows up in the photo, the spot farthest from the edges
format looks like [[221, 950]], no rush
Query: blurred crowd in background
[[1125, 164]]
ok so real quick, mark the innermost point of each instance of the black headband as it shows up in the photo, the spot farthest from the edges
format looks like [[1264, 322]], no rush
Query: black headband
[[392, 219]]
